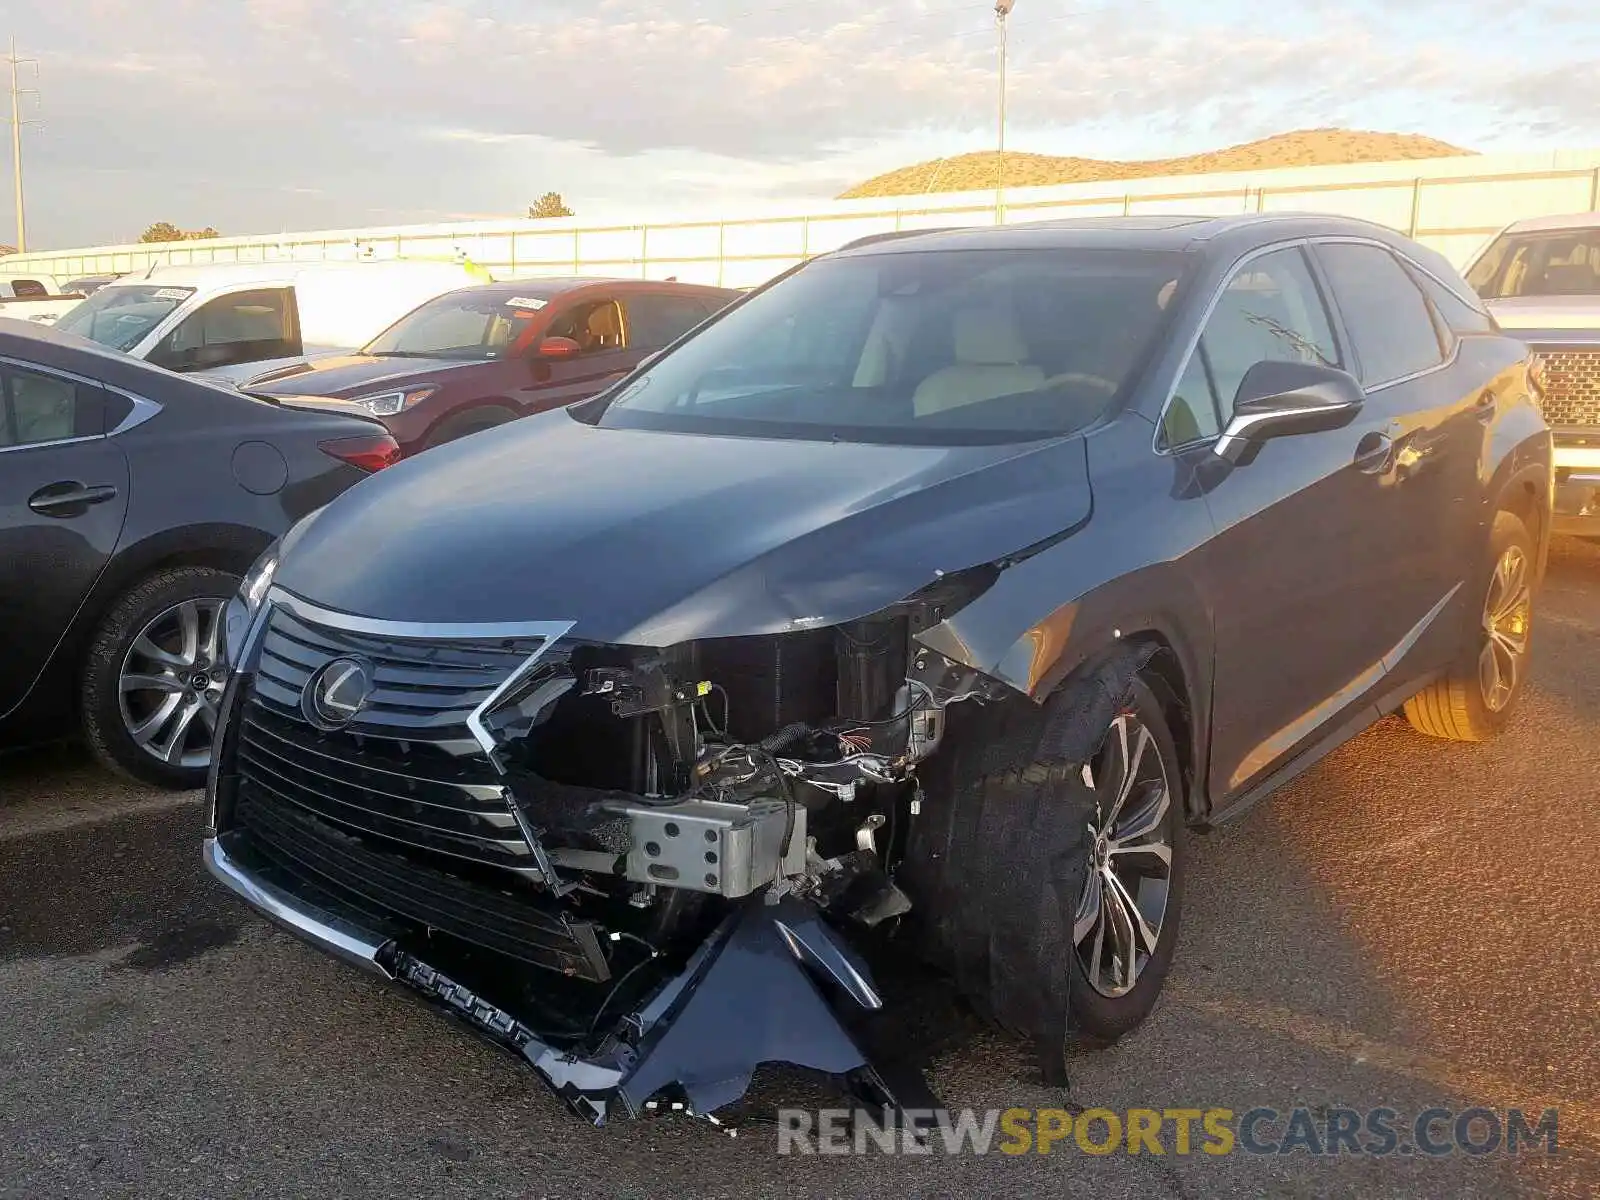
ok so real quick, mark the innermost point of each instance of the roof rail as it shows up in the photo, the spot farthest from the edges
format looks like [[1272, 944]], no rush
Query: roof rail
[[873, 239]]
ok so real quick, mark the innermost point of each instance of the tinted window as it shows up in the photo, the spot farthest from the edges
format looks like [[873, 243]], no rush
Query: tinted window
[[1557, 263], [1271, 311], [929, 347], [657, 321], [27, 288], [596, 325], [1387, 317], [46, 408]]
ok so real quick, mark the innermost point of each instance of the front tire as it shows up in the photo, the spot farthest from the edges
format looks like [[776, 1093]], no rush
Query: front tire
[[1473, 702], [1125, 929], [1052, 889], [154, 675]]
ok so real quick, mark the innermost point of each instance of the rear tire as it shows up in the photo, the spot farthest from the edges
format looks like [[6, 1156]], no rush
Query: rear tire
[[145, 712], [454, 428], [1473, 702]]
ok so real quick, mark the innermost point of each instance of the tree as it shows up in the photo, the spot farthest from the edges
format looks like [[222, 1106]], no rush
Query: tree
[[166, 231], [550, 205]]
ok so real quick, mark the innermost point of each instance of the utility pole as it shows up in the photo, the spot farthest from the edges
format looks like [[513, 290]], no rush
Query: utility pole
[[17, 93], [1002, 10]]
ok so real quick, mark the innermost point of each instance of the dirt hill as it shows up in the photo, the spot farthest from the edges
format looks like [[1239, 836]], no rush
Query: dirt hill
[[1303, 148]]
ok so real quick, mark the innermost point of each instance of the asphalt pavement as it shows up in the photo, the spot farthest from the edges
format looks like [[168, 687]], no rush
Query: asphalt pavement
[[1412, 924]]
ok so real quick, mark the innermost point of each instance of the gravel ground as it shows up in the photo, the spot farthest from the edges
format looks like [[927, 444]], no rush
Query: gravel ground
[[1410, 924]]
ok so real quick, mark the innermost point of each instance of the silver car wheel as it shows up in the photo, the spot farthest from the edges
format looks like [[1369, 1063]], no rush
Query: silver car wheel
[[1507, 621], [171, 683], [1124, 899]]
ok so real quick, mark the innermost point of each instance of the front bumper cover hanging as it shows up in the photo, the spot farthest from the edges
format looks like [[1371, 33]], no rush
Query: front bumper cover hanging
[[749, 995]]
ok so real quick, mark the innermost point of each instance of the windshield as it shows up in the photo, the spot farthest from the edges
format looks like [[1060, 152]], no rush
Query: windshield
[[945, 347], [120, 317], [460, 325], [1558, 263]]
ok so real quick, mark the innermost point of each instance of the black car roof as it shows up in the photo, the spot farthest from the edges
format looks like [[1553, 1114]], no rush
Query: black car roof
[[545, 287], [1174, 233]]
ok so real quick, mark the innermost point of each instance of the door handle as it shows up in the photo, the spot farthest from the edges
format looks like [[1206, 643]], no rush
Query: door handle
[[68, 499], [1373, 453]]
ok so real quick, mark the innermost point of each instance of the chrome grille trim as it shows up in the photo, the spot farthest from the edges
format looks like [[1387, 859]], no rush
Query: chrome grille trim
[[417, 766], [549, 632]]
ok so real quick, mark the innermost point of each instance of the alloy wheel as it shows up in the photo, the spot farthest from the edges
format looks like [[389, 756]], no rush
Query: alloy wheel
[[1507, 622], [171, 683], [1124, 900]]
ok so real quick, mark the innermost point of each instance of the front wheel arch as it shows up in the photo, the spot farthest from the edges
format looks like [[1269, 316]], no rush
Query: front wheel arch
[[465, 422], [1175, 682]]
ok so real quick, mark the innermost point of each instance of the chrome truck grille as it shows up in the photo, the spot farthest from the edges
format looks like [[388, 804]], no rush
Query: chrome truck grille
[[399, 813], [1571, 394]]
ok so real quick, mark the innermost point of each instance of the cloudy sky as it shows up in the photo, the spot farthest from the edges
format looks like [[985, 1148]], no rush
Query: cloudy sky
[[264, 115]]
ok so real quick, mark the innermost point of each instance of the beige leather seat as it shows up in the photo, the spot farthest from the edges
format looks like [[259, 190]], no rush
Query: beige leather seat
[[604, 329], [990, 361]]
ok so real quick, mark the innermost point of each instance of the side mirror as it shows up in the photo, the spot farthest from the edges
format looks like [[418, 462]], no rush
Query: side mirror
[[1278, 399], [559, 347]]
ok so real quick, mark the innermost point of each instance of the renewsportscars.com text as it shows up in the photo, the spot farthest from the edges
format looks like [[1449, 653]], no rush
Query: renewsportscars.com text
[[1379, 1132]]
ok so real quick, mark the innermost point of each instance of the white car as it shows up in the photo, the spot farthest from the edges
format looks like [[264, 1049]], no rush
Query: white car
[[35, 297], [229, 321], [1541, 280]]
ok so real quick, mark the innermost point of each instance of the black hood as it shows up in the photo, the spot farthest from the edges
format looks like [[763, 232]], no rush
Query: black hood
[[650, 538], [353, 375]]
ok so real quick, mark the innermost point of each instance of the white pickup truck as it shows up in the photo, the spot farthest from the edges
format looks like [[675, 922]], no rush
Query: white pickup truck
[[1541, 280], [35, 298]]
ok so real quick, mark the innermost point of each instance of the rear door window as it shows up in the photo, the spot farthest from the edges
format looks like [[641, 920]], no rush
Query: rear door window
[[1384, 310], [655, 321]]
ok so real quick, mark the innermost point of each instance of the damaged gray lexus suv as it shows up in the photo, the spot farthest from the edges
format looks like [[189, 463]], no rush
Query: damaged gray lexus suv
[[941, 588]]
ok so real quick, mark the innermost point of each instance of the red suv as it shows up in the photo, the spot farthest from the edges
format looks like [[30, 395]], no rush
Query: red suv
[[481, 356]]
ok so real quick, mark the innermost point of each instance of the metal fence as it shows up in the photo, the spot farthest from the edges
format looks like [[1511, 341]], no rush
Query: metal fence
[[1454, 213]]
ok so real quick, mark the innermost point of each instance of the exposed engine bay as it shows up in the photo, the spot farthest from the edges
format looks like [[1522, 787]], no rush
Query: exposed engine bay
[[722, 767], [719, 791]]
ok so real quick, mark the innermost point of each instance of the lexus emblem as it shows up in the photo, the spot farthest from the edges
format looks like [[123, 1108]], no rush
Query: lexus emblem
[[336, 693]]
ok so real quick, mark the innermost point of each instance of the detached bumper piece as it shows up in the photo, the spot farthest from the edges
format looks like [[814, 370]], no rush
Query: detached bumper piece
[[751, 994]]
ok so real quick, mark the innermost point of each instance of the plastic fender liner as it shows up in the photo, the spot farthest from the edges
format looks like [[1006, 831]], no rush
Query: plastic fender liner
[[1077, 716]]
